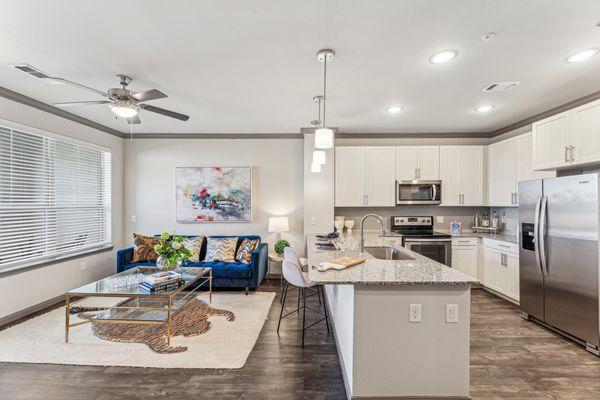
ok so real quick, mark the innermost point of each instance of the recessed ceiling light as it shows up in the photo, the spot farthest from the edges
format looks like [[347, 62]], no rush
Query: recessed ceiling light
[[394, 109], [442, 57], [582, 55], [484, 108]]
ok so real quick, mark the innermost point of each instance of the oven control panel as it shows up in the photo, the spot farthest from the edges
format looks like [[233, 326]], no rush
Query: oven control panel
[[418, 221]]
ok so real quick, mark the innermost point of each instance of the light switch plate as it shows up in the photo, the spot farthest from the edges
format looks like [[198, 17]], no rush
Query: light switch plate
[[414, 313], [439, 219], [313, 220], [452, 313], [134, 219]]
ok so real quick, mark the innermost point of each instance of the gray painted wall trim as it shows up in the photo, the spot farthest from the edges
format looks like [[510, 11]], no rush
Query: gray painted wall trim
[[28, 101], [216, 136], [30, 310]]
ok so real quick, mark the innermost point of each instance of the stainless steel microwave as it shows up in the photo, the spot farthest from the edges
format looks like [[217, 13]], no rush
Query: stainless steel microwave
[[418, 192]]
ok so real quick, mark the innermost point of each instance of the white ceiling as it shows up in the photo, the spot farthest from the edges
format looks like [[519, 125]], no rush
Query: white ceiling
[[250, 66]]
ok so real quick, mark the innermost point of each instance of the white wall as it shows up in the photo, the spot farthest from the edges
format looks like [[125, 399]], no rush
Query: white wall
[[277, 184], [21, 290]]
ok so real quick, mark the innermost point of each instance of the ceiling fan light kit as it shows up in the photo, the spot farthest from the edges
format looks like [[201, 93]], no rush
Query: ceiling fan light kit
[[123, 109]]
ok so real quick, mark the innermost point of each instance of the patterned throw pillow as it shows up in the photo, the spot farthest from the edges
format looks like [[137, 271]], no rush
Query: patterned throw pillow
[[194, 244], [221, 249], [144, 248], [244, 253]]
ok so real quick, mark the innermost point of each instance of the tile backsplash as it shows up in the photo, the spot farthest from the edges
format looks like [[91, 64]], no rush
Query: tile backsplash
[[464, 215]]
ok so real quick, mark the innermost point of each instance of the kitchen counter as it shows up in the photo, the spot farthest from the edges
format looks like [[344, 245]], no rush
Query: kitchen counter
[[420, 271], [504, 237], [392, 320]]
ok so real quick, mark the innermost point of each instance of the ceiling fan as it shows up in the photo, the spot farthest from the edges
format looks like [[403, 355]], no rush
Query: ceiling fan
[[123, 102]]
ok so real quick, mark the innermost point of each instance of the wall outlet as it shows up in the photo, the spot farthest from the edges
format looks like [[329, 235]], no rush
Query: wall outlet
[[452, 313], [134, 219], [414, 313], [83, 266], [313, 220], [439, 219]]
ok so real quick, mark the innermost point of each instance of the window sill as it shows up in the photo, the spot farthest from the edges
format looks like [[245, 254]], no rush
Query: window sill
[[16, 269]]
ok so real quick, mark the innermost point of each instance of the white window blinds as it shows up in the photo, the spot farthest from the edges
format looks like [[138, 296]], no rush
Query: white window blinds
[[55, 198]]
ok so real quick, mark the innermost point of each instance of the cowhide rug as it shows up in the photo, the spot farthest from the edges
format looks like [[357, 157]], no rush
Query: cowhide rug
[[190, 320]]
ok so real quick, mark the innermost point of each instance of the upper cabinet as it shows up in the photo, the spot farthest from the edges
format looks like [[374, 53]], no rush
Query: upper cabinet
[[571, 138], [462, 174], [417, 162], [509, 162], [364, 176]]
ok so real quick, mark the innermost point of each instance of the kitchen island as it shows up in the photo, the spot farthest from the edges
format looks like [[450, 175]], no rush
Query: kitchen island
[[401, 326]]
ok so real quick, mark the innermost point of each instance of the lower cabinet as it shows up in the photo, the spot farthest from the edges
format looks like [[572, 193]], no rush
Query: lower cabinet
[[501, 268], [465, 256]]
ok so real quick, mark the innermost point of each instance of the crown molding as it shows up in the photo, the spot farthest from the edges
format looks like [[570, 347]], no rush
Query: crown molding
[[216, 136], [28, 101]]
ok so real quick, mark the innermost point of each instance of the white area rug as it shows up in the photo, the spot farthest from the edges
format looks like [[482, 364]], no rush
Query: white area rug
[[226, 345]]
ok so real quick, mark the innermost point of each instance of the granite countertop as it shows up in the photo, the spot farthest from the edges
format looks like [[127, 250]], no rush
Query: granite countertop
[[503, 237], [420, 271]]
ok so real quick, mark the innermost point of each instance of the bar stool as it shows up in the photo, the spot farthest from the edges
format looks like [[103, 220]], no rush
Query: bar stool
[[292, 255], [294, 276]]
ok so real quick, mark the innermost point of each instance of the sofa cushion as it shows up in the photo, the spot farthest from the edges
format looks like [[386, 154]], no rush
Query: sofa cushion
[[231, 270], [221, 249], [244, 252], [144, 248]]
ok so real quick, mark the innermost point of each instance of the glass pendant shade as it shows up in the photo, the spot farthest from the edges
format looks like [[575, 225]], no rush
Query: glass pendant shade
[[315, 168], [324, 138], [319, 157]]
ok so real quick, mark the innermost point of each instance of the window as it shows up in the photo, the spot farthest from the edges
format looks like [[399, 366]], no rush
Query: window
[[55, 198]]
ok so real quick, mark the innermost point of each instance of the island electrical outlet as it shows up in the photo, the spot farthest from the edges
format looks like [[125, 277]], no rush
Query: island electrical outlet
[[414, 313]]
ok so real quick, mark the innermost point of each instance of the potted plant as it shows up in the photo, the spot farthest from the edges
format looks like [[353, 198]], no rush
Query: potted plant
[[171, 251], [280, 245]]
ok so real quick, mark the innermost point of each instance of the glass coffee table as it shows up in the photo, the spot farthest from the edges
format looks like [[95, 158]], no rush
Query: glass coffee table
[[141, 308]]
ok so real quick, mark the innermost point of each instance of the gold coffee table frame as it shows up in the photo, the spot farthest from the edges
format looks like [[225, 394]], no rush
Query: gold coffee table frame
[[174, 301]]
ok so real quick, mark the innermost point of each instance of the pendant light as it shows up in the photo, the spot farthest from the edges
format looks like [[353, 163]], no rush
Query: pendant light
[[324, 135], [315, 168], [318, 156]]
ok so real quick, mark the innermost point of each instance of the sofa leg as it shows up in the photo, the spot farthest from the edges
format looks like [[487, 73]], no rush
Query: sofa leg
[[247, 289]]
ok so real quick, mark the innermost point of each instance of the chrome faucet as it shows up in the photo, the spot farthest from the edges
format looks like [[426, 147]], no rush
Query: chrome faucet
[[362, 229]]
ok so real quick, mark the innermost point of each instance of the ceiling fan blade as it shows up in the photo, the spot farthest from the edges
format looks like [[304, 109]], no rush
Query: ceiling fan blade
[[80, 86], [162, 111], [151, 94], [134, 120], [80, 103]]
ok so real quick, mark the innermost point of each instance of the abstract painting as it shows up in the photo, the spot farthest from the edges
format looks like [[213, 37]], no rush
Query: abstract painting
[[213, 194]]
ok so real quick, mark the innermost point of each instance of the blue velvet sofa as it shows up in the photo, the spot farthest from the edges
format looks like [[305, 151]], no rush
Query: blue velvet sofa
[[225, 274]]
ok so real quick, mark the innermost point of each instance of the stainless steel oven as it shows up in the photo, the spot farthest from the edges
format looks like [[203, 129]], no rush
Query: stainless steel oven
[[438, 249], [418, 192]]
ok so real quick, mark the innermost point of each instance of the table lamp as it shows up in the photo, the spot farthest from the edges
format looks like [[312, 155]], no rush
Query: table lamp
[[278, 225]]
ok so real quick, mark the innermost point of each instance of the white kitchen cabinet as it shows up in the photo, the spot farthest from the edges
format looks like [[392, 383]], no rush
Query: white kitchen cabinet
[[550, 137], [501, 267], [585, 134], [350, 173], [417, 162], [465, 256], [502, 165], [568, 139], [364, 176], [462, 172], [380, 176], [524, 166]]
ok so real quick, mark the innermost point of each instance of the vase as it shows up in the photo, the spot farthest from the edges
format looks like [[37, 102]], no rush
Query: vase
[[164, 265]]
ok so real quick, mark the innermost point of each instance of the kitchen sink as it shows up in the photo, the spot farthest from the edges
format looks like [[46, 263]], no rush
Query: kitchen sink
[[387, 253]]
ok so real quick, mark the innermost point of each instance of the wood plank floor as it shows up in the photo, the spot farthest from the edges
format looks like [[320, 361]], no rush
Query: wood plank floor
[[510, 359]]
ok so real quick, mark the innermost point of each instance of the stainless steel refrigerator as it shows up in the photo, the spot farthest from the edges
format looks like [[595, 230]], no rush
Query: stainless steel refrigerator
[[558, 255]]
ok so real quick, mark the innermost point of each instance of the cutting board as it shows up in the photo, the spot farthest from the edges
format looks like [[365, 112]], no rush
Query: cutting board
[[340, 263]]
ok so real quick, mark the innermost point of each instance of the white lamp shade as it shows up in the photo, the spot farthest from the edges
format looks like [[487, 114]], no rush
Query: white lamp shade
[[323, 138], [319, 157], [278, 224], [315, 168]]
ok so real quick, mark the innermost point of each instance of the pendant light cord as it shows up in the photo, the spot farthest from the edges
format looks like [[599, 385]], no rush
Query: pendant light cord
[[324, 86]]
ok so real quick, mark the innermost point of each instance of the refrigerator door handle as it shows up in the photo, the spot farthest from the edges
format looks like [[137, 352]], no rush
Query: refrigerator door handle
[[536, 232], [542, 235]]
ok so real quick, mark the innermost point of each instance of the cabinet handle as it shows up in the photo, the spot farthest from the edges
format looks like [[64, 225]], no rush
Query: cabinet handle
[[366, 199], [419, 173], [416, 175], [572, 156], [566, 153]]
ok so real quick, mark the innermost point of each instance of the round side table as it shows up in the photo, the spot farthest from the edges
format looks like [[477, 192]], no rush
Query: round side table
[[274, 257]]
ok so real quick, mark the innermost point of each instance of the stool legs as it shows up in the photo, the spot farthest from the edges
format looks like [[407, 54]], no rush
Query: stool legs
[[283, 296]]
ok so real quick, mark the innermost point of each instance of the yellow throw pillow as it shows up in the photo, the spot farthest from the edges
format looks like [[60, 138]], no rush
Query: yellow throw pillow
[[194, 244], [143, 249], [221, 249]]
